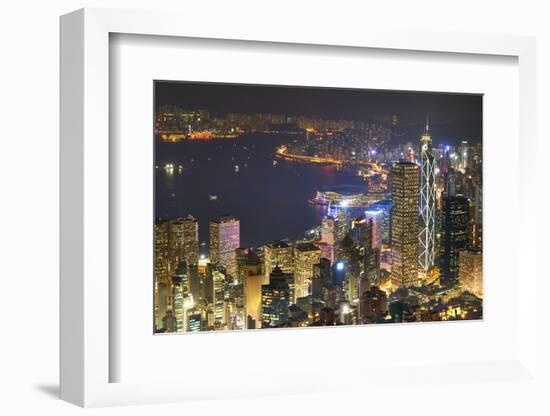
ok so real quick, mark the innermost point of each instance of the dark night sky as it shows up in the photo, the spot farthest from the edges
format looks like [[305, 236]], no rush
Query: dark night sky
[[450, 110]]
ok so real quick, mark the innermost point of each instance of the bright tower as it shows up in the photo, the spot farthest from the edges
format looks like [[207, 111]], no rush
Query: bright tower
[[426, 236]]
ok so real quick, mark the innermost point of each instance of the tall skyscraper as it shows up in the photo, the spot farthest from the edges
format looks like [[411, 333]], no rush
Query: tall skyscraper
[[405, 195], [185, 235], [349, 259], [305, 256], [455, 234], [275, 299], [342, 226], [384, 207], [219, 295], [195, 283], [249, 270], [162, 301], [470, 272], [278, 253], [426, 236], [162, 260], [179, 293], [328, 237], [224, 240], [377, 218]]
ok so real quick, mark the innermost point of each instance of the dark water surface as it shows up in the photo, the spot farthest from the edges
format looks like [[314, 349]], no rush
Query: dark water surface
[[270, 200]]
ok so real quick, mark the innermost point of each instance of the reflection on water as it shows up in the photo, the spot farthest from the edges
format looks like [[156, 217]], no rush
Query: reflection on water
[[270, 199]]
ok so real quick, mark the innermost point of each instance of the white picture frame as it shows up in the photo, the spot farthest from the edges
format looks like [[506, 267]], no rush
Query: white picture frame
[[86, 355]]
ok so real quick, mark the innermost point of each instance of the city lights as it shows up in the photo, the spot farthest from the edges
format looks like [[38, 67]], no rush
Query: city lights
[[283, 207]]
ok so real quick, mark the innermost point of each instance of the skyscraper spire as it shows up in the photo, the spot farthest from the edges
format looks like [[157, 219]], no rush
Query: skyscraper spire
[[426, 138], [426, 236]]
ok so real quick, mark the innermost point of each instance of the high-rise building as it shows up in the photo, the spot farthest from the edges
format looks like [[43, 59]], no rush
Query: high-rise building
[[405, 195], [250, 268], [208, 284], [470, 272], [327, 230], [224, 240], [478, 215], [169, 322], [195, 283], [328, 237], [278, 253], [194, 320], [185, 236], [377, 218], [219, 295], [249, 272], [162, 301], [349, 259], [385, 208], [426, 236], [179, 293], [305, 256], [275, 299], [248, 264], [162, 258], [455, 234], [342, 226]]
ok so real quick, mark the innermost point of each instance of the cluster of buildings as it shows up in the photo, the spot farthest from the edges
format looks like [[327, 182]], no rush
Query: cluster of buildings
[[415, 256], [175, 124]]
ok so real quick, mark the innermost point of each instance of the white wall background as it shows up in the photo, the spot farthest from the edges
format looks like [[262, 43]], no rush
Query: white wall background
[[29, 57]]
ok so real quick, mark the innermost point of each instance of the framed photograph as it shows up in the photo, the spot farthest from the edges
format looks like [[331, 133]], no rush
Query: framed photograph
[[274, 214]]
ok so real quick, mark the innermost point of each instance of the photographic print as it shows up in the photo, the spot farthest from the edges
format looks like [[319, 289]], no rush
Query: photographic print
[[295, 207]]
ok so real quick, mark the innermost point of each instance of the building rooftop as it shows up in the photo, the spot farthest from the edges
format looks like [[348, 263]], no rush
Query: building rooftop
[[277, 244], [224, 218], [307, 247]]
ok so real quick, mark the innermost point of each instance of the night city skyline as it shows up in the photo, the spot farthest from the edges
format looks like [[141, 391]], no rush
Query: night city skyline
[[328, 103], [282, 206]]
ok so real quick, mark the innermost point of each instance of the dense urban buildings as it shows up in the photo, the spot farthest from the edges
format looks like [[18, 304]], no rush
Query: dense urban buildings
[[296, 207]]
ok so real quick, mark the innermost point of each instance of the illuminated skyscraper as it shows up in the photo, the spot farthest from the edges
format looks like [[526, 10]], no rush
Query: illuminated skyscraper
[[405, 195], [426, 236], [169, 322], [454, 234], [185, 235], [162, 261], [194, 320], [162, 301], [348, 265], [249, 272], [470, 272], [305, 256], [278, 253], [219, 295], [179, 292], [224, 240], [377, 218], [275, 299], [342, 226], [195, 283], [328, 237], [384, 208]]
